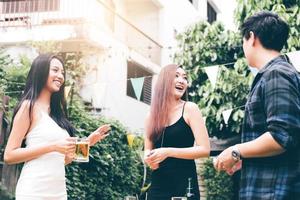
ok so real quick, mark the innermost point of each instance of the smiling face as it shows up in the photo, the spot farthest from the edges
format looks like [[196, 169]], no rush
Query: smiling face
[[55, 76], [180, 83]]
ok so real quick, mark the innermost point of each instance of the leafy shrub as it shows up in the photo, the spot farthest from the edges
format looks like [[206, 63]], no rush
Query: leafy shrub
[[218, 185], [4, 194], [114, 169]]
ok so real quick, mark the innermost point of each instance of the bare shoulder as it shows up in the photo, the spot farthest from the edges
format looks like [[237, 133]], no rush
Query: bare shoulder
[[22, 118], [25, 118], [147, 120], [25, 104], [146, 125], [192, 110], [24, 109], [191, 113], [191, 106], [147, 116], [25, 114]]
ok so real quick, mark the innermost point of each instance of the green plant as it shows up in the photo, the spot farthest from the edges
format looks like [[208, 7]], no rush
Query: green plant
[[114, 170], [4, 194], [76, 68], [287, 9], [136, 142], [4, 62], [218, 185], [230, 92], [46, 46], [15, 80], [203, 45]]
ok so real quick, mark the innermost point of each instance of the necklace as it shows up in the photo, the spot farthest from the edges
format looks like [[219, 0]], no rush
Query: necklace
[[162, 139]]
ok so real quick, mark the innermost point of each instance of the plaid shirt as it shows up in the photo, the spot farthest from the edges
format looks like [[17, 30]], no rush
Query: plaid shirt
[[273, 106]]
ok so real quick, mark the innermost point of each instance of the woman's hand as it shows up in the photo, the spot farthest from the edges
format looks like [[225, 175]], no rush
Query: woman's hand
[[156, 156], [99, 134], [69, 158], [147, 160], [153, 166], [65, 146]]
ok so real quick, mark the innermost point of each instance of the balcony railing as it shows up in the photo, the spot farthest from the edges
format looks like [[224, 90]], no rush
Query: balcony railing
[[94, 13]]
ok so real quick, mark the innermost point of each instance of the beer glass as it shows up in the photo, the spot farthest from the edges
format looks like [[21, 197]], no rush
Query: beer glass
[[82, 150]]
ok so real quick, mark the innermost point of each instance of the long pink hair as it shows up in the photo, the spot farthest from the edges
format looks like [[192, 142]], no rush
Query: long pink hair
[[161, 102]]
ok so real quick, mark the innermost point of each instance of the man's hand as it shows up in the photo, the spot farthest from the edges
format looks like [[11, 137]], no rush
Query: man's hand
[[225, 161]]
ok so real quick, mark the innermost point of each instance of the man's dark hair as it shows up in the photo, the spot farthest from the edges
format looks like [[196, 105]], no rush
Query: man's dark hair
[[271, 30]]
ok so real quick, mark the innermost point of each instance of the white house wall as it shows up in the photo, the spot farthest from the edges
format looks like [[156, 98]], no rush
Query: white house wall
[[105, 87], [295, 59], [226, 14], [16, 52], [175, 16], [106, 52], [145, 16]]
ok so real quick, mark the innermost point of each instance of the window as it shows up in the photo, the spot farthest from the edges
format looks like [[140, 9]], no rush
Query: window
[[21, 6], [135, 70], [211, 13]]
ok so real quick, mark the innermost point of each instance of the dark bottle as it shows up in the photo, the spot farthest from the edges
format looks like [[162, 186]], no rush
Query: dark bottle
[[189, 194]]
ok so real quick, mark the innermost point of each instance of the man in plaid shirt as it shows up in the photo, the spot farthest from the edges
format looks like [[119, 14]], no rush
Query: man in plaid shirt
[[270, 148]]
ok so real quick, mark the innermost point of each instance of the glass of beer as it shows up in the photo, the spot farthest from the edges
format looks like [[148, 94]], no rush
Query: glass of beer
[[82, 150]]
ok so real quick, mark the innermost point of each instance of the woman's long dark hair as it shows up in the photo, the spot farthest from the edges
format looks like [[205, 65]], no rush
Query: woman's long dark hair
[[36, 81]]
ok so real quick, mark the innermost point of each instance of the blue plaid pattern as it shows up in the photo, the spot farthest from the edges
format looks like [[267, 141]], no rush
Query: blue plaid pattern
[[273, 105]]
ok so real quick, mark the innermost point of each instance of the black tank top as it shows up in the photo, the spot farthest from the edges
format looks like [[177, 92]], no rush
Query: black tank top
[[178, 135]]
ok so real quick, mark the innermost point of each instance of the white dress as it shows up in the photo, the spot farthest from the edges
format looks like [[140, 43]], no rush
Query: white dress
[[43, 178]]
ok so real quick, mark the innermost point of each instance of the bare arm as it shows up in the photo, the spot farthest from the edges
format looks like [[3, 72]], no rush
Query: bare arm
[[14, 153], [148, 146], [265, 146]]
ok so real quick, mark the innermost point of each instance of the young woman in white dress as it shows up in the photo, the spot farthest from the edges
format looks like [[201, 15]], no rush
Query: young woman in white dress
[[40, 119]]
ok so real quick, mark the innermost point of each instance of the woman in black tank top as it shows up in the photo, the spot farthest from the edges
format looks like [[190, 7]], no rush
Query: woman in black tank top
[[172, 128]]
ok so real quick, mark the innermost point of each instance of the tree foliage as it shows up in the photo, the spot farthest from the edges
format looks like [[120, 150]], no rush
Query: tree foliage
[[289, 10], [203, 45], [230, 92]]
